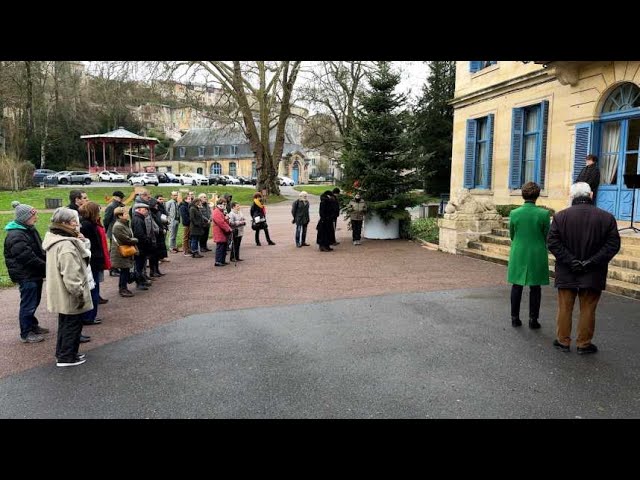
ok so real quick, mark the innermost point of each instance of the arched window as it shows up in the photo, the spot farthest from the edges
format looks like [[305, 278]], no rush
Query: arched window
[[216, 168], [254, 171], [625, 97], [232, 168]]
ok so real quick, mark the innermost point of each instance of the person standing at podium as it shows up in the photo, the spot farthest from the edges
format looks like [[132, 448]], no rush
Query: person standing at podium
[[590, 174]]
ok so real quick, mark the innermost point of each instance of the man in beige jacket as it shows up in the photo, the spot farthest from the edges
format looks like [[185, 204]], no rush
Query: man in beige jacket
[[357, 209], [69, 282]]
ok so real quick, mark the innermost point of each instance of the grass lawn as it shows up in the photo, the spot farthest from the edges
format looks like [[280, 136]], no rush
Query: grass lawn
[[102, 195], [314, 189]]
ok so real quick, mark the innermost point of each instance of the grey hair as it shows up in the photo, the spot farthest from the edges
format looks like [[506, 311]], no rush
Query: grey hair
[[579, 189], [64, 215], [303, 194]]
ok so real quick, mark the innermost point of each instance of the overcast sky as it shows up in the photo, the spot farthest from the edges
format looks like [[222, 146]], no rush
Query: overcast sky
[[413, 76]]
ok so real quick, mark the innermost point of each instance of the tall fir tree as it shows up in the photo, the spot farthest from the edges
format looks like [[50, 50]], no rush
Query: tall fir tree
[[376, 153], [432, 128]]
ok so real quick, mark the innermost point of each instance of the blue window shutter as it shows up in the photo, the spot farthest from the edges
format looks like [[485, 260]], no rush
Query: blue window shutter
[[583, 144], [470, 154], [515, 168], [475, 66], [544, 117], [490, 118]]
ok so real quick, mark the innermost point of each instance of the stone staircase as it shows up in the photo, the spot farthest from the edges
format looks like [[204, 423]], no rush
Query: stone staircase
[[624, 269]]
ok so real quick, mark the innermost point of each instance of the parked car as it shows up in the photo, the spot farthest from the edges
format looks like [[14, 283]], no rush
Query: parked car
[[40, 175], [217, 179], [166, 177], [286, 181], [231, 180], [190, 178], [110, 176], [144, 179], [66, 177]]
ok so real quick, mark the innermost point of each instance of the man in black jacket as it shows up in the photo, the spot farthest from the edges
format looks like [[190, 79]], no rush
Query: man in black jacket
[[590, 174], [26, 264], [583, 239]]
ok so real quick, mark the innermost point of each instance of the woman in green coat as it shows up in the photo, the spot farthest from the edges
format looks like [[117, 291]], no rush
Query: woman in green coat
[[528, 258]]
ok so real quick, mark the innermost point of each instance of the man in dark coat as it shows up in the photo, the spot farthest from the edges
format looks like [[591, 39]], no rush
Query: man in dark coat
[[583, 239], [77, 198], [108, 219], [590, 174], [26, 264], [146, 242]]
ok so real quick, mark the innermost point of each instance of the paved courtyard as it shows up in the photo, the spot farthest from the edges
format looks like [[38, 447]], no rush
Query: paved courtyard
[[388, 329]]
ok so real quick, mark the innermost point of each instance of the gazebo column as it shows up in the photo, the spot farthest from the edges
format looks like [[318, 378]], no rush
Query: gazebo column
[[130, 157], [104, 154], [89, 155], [152, 150]]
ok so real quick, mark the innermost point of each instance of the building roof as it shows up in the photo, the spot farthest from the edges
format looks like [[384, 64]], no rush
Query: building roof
[[196, 137]]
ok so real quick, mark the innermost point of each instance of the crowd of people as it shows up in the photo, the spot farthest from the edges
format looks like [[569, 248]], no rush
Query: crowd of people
[[80, 245], [83, 242]]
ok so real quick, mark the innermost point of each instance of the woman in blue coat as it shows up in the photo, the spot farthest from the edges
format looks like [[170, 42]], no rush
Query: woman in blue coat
[[528, 258]]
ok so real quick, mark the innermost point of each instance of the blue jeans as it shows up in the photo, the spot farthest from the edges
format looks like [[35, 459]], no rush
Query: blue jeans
[[30, 295], [194, 244], [221, 252]]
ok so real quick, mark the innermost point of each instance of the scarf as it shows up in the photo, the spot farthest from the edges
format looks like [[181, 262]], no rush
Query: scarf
[[259, 204], [63, 229], [105, 248]]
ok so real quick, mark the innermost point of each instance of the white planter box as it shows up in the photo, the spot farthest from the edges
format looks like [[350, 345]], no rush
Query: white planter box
[[376, 229]]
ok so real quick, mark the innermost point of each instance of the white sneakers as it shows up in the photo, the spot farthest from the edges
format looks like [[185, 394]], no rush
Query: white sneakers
[[79, 361]]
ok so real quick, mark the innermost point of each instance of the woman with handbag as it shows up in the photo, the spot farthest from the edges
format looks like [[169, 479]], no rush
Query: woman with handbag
[[123, 249], [259, 218]]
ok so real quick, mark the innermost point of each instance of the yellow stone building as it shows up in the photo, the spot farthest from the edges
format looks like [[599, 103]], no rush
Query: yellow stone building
[[516, 122]]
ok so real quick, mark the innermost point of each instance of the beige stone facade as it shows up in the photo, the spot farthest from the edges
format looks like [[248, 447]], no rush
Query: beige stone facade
[[572, 95]]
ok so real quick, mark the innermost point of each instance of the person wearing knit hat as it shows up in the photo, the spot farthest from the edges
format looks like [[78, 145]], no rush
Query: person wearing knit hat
[[26, 264]]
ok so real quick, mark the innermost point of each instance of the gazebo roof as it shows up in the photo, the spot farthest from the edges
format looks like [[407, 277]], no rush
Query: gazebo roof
[[120, 134]]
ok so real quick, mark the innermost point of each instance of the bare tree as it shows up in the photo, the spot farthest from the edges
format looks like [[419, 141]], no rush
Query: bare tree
[[257, 97], [333, 88]]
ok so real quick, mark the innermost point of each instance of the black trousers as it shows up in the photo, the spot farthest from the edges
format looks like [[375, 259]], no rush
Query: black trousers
[[123, 280], [535, 296], [203, 238], [356, 229], [235, 252], [266, 234], [69, 330]]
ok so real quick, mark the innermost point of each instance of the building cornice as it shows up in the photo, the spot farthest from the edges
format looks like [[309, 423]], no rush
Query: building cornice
[[497, 90]]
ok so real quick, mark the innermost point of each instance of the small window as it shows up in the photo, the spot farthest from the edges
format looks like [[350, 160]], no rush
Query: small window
[[529, 145], [201, 151], [232, 168], [480, 64], [234, 150], [216, 151], [479, 153], [182, 151]]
